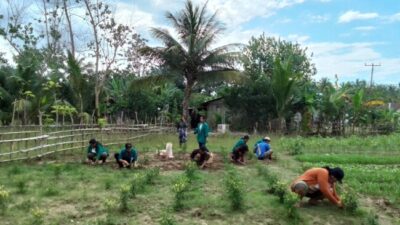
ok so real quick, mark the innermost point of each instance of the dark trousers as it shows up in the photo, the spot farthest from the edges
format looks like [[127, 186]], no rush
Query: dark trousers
[[116, 156], [315, 195], [92, 156], [203, 156]]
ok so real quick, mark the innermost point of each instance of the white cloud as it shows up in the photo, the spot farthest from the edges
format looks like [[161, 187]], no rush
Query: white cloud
[[347, 61], [365, 28], [234, 13], [130, 14], [319, 18], [356, 15], [297, 38], [394, 18]]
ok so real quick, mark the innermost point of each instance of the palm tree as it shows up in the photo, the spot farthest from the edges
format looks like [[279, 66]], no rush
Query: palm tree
[[282, 84], [190, 55]]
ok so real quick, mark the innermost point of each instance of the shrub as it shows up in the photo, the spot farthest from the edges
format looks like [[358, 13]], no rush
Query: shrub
[[190, 171], [4, 198], [137, 184], [350, 202], [280, 190], [372, 219], [123, 198], [235, 190], [297, 147], [108, 184], [180, 189], [102, 122], [167, 219], [51, 191], [37, 216], [21, 186], [290, 201], [110, 204], [151, 175]]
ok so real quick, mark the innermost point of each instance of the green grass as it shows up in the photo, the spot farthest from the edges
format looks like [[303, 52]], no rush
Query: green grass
[[73, 191], [349, 159]]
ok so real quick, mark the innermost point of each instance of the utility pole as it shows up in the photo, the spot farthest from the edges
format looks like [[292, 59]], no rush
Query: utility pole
[[372, 65]]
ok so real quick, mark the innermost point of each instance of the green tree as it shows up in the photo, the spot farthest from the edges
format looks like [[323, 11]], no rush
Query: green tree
[[190, 55]]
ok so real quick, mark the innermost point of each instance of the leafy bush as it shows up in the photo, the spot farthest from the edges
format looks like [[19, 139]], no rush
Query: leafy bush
[[37, 216], [180, 189], [110, 204], [124, 198], [167, 219], [151, 175], [190, 171], [21, 186], [137, 184], [290, 201], [235, 190], [350, 202], [296, 147], [280, 190], [4, 198], [102, 122]]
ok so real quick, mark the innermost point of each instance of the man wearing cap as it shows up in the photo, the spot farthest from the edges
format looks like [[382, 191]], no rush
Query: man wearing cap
[[263, 149], [319, 183], [127, 156], [201, 156], [96, 151], [240, 149]]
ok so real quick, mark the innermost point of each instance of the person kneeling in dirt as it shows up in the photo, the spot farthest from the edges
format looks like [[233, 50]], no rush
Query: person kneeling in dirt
[[319, 183], [201, 156], [127, 156], [240, 149], [263, 150], [96, 151]]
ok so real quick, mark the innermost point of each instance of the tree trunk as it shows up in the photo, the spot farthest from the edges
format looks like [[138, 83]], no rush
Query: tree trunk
[[81, 108], [72, 119], [41, 121], [13, 115], [186, 99], [46, 24], [71, 34], [63, 119], [97, 56], [57, 117]]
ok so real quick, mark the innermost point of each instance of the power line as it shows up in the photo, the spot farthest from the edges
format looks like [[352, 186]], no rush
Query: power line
[[372, 65]]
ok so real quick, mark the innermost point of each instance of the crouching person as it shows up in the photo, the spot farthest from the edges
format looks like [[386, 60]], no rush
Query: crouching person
[[319, 183], [263, 149], [201, 156], [96, 151], [239, 150], [126, 157]]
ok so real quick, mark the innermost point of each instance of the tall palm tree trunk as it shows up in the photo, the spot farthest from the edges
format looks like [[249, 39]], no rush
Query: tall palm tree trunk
[[186, 99]]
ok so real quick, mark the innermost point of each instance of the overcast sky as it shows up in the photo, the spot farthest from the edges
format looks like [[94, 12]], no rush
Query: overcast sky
[[343, 35]]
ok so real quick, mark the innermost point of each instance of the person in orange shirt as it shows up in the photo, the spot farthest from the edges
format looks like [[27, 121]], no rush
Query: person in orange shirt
[[319, 183]]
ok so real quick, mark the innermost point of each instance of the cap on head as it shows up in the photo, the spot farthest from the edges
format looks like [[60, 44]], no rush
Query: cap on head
[[338, 173], [266, 138], [92, 141]]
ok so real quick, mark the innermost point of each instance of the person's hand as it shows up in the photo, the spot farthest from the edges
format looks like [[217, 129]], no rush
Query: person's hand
[[340, 204]]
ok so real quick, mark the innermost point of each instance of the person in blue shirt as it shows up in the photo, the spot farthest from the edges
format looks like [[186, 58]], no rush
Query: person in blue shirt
[[263, 149], [239, 150], [127, 156]]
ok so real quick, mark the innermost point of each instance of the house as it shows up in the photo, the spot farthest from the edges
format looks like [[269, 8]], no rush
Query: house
[[215, 110]]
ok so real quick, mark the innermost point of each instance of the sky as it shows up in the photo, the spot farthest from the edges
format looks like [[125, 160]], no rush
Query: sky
[[340, 35]]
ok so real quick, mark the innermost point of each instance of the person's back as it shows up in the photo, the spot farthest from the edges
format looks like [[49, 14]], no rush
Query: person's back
[[262, 148]]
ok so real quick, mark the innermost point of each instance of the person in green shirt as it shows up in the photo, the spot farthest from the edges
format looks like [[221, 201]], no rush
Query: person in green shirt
[[96, 151], [239, 150], [127, 156], [202, 132]]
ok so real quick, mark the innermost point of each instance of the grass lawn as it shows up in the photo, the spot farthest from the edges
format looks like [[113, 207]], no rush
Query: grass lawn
[[63, 190]]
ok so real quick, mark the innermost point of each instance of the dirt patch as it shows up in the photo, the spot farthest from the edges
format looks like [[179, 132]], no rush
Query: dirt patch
[[150, 160]]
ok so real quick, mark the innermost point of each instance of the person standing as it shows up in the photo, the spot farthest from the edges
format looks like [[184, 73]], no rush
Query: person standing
[[202, 132], [182, 131]]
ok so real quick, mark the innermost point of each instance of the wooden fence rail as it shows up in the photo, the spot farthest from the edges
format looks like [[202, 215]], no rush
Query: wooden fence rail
[[70, 140]]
